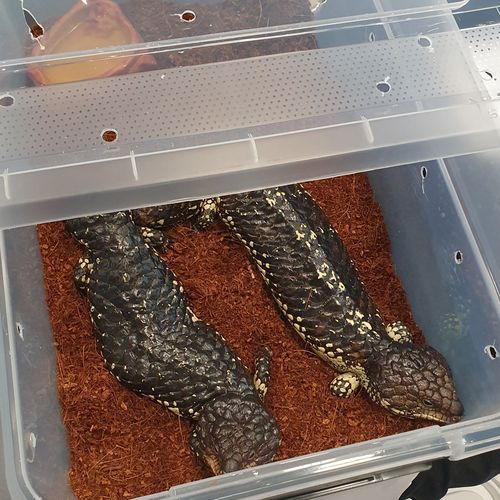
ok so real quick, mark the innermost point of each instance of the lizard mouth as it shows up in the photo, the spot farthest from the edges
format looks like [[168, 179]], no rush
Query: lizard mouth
[[213, 464], [454, 416], [439, 417]]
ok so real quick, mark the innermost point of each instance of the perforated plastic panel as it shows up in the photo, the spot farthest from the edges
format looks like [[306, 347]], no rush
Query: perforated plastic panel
[[485, 46], [214, 129], [234, 95]]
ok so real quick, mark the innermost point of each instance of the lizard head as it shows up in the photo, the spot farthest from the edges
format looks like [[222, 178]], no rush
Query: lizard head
[[234, 432], [415, 382]]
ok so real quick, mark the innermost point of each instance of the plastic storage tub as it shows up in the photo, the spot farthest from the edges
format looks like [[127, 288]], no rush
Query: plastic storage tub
[[342, 87], [445, 265], [441, 220]]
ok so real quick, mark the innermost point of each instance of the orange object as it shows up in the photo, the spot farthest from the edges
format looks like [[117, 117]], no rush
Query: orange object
[[93, 25]]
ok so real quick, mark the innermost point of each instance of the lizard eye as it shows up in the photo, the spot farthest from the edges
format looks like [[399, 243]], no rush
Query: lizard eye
[[428, 403]]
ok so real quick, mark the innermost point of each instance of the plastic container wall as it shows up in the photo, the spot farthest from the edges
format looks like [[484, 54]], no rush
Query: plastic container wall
[[477, 181], [15, 21], [454, 301], [34, 437], [443, 271]]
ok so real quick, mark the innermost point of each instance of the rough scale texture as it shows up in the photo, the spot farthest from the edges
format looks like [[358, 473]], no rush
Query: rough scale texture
[[154, 345], [311, 277], [124, 446]]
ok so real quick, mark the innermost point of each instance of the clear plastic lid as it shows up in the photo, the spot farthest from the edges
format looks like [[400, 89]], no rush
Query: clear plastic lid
[[147, 101], [162, 22]]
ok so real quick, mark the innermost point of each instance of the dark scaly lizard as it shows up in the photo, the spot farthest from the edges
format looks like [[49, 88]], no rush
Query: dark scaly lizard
[[313, 281], [308, 271], [153, 344]]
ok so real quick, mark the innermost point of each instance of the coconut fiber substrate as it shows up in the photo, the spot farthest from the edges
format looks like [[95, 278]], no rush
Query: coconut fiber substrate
[[123, 445]]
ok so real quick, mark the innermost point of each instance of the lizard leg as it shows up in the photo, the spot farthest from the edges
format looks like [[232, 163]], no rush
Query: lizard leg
[[399, 332], [344, 385], [207, 214], [155, 238], [262, 376]]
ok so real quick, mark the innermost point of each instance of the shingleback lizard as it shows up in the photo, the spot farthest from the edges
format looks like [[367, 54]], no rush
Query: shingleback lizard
[[153, 344], [308, 271], [314, 283]]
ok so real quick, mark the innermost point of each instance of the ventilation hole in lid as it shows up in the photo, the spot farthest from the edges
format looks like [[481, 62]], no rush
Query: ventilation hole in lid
[[486, 75], [491, 351], [6, 101], [384, 87], [188, 16], [371, 36], [109, 135], [424, 41], [31, 445], [423, 172], [20, 330], [36, 31], [459, 258]]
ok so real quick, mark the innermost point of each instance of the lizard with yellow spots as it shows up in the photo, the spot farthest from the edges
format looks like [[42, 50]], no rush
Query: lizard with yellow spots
[[153, 344], [307, 270]]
